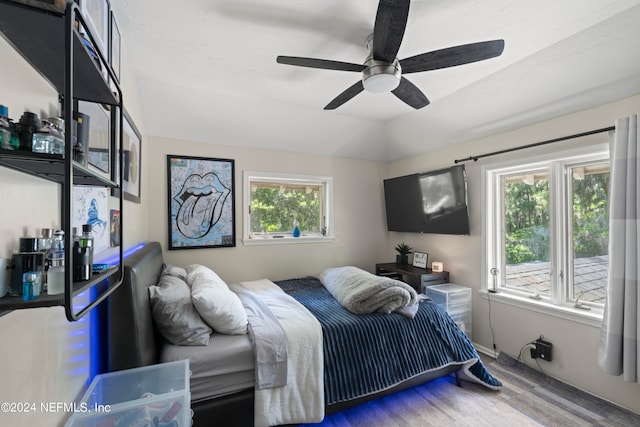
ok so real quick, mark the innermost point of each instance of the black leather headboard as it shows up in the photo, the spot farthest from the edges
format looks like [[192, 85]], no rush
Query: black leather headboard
[[132, 338]]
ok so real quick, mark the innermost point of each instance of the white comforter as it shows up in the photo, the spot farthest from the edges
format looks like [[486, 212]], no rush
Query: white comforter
[[301, 400], [362, 292]]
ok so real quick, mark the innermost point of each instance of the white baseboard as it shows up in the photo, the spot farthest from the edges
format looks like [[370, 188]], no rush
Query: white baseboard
[[485, 350]]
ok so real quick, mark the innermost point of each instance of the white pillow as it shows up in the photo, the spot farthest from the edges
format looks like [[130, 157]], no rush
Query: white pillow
[[217, 304], [174, 314]]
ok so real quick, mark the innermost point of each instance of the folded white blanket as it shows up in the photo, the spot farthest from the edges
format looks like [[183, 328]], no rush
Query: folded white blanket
[[268, 338], [362, 292], [301, 400]]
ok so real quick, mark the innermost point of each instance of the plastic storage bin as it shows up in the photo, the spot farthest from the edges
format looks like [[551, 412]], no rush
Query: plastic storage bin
[[456, 300], [140, 397]]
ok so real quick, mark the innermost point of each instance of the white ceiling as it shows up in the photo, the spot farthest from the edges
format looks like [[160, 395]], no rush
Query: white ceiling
[[205, 70]]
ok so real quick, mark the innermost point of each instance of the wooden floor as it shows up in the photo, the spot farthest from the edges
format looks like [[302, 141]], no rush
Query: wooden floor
[[528, 398]]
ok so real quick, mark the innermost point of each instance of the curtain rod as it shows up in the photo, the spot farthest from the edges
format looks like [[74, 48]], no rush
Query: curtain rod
[[536, 144]]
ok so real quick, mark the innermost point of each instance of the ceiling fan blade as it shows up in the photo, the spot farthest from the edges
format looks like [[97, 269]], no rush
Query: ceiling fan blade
[[408, 93], [345, 96], [452, 56], [388, 30], [324, 64]]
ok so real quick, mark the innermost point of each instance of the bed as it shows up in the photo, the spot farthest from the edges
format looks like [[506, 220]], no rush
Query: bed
[[223, 382]]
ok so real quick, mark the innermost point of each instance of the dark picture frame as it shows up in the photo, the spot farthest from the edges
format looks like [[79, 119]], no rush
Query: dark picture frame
[[98, 148], [114, 47], [201, 202], [115, 159], [132, 159]]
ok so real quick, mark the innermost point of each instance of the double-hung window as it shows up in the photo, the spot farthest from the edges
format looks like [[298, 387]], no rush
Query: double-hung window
[[285, 208], [547, 230]]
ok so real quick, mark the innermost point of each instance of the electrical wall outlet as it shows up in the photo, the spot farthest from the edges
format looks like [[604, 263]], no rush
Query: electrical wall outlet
[[543, 349]]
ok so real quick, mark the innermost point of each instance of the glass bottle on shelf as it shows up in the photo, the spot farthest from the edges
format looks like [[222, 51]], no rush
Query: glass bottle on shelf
[[27, 259], [44, 242], [44, 246], [8, 140], [83, 254], [55, 276], [49, 139], [31, 282], [28, 124], [86, 238]]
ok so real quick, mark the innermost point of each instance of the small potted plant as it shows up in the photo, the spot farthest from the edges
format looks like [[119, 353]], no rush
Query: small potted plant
[[403, 253]]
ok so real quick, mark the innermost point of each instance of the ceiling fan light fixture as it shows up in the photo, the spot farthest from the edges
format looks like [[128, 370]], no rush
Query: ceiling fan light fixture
[[381, 83], [381, 76]]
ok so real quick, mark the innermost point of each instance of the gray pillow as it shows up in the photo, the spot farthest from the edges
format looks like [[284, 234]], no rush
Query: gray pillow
[[174, 314], [175, 271]]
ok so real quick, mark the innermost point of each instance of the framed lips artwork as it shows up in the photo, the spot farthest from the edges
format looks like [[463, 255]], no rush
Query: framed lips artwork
[[201, 202]]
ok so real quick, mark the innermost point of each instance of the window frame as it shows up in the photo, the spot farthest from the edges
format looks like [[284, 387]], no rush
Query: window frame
[[558, 302], [326, 182]]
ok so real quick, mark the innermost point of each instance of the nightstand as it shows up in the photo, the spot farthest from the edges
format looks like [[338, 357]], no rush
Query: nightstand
[[419, 278]]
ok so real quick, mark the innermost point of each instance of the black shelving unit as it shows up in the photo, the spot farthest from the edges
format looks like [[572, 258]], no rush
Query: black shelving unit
[[51, 167], [47, 39], [37, 31], [44, 300]]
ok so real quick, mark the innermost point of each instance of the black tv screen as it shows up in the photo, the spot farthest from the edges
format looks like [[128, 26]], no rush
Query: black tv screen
[[429, 202]]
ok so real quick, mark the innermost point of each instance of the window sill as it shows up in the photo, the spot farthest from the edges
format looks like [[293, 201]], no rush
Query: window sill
[[587, 317], [286, 240]]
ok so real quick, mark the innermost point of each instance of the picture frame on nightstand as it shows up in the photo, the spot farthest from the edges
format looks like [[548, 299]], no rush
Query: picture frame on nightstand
[[420, 259]]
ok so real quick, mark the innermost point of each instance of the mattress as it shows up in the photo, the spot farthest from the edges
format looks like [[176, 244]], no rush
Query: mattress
[[223, 367], [391, 345]]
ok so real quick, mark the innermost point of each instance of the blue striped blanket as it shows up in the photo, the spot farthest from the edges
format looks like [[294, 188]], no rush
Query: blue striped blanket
[[365, 353]]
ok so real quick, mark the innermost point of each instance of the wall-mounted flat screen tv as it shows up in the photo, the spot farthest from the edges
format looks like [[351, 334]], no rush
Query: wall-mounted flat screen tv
[[429, 202]]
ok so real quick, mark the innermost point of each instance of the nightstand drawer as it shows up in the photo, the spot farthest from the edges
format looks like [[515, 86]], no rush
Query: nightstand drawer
[[449, 294], [433, 279]]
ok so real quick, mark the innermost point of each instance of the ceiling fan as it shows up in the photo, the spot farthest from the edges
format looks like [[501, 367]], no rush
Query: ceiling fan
[[382, 71]]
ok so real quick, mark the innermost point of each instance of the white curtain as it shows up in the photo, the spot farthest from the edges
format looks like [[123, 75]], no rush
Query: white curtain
[[619, 352]]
